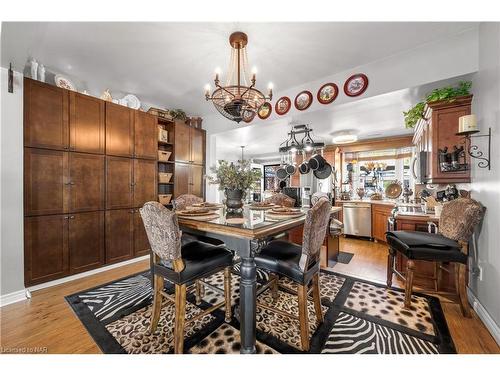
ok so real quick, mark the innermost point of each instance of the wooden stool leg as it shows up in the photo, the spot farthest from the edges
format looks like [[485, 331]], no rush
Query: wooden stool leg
[[274, 286], [157, 298], [438, 275], [390, 265], [317, 298], [303, 317], [180, 316], [227, 293], [198, 291], [409, 282], [460, 274]]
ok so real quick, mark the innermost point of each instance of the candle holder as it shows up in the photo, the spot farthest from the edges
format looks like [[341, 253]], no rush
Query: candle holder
[[473, 150]]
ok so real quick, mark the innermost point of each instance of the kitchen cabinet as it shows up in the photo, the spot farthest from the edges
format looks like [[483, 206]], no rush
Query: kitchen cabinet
[[188, 179], [196, 184], [119, 235], [46, 182], [189, 144], [119, 182], [141, 242], [46, 116], [86, 123], [86, 182], [197, 137], [437, 131], [144, 188], [119, 130], [380, 217], [86, 241], [145, 136]]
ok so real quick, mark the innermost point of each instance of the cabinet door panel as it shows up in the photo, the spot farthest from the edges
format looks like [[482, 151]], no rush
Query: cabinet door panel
[[182, 143], [181, 179], [197, 146], [141, 242], [86, 123], [119, 130], [118, 182], [145, 172], [87, 182], [45, 248], [146, 135], [45, 116], [86, 241], [119, 235], [197, 180], [46, 186]]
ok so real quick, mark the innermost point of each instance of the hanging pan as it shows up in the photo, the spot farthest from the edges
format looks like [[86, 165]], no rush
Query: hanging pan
[[323, 172]]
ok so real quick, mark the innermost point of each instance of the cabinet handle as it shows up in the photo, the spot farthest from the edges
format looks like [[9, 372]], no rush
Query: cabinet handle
[[132, 211], [66, 217], [71, 217], [71, 183]]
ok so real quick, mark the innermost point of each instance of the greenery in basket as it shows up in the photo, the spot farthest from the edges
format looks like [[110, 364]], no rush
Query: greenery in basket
[[178, 114], [445, 93], [239, 176]]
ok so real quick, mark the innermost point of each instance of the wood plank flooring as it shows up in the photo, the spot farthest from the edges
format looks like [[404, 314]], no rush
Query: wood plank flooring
[[46, 321]]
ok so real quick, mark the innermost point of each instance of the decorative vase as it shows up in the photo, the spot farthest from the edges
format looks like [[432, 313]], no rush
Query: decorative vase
[[34, 69], [234, 200], [41, 73]]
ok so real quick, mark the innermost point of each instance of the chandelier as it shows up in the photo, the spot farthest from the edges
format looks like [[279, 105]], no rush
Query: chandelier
[[237, 99], [306, 143]]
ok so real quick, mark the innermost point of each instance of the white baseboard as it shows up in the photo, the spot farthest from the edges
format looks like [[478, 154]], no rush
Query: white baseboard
[[21, 295], [485, 317]]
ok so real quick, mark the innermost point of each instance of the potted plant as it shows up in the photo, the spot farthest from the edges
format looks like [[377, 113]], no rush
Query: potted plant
[[445, 93], [234, 179], [178, 115]]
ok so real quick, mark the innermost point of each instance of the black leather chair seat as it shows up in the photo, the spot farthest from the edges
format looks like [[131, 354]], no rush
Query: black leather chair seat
[[425, 246], [283, 258], [200, 259], [187, 238]]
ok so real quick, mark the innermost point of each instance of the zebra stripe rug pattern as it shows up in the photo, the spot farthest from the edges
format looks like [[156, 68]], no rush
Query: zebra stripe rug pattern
[[360, 317]]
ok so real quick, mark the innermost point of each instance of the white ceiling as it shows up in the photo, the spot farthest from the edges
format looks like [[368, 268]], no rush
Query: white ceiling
[[168, 64]]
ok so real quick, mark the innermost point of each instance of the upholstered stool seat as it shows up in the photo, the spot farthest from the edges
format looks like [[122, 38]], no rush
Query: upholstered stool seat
[[200, 260], [283, 258], [426, 246]]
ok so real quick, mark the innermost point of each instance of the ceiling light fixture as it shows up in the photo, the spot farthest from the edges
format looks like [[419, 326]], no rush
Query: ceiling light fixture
[[238, 95], [342, 139]]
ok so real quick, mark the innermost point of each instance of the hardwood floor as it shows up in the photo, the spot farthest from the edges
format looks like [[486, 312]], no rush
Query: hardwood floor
[[46, 321]]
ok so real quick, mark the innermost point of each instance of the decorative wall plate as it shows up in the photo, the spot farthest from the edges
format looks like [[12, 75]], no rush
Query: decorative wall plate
[[283, 105], [327, 93], [265, 110], [303, 100], [248, 116], [355, 85], [132, 101], [64, 82]]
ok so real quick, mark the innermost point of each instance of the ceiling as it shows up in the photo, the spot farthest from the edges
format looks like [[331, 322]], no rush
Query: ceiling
[[167, 64], [373, 117]]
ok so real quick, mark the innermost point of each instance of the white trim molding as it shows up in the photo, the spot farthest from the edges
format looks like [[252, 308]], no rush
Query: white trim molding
[[23, 294], [485, 317]]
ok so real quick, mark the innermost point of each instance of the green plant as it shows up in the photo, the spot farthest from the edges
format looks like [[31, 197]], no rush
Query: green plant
[[444, 93], [233, 176], [178, 114]]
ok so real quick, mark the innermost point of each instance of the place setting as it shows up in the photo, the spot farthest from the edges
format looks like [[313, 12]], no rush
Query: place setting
[[283, 213], [201, 213]]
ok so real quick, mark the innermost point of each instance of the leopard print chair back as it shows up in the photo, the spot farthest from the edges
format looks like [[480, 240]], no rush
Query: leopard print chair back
[[162, 230], [317, 196], [185, 200], [281, 200], [315, 225], [459, 217]]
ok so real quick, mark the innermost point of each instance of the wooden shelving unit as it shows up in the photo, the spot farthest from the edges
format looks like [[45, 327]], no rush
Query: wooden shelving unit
[[167, 166]]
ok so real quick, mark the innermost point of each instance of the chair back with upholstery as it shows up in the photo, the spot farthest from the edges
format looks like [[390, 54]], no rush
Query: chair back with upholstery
[[185, 200], [317, 196], [315, 226], [162, 230], [459, 217], [281, 200]]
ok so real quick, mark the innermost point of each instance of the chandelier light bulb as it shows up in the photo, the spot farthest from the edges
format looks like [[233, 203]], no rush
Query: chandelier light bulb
[[270, 86], [207, 88]]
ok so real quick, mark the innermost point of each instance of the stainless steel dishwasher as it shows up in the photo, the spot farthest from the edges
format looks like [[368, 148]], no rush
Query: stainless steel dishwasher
[[358, 219]]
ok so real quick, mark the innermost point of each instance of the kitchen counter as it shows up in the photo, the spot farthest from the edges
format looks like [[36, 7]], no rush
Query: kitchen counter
[[382, 201]]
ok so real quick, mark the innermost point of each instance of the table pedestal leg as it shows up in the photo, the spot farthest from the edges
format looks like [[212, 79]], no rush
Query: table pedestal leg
[[247, 305]]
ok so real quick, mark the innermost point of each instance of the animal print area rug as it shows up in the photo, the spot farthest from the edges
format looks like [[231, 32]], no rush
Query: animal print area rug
[[360, 317]]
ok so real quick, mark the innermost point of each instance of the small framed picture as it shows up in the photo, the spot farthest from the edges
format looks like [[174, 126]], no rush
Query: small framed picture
[[283, 105], [327, 93], [265, 110], [248, 116], [356, 85], [303, 100]]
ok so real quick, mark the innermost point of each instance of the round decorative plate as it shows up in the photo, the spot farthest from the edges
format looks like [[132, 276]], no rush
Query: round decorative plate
[[327, 93], [265, 110], [356, 85], [303, 100], [132, 101], [248, 116], [64, 82], [283, 105]]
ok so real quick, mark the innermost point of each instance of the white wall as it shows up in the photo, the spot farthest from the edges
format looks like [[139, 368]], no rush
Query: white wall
[[11, 182], [486, 183]]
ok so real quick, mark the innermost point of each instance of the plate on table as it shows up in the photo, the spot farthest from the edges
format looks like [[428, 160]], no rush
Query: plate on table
[[208, 205], [278, 216], [194, 212], [285, 210], [261, 206], [206, 217]]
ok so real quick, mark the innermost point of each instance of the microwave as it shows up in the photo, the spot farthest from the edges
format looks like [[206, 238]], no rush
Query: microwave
[[419, 167]]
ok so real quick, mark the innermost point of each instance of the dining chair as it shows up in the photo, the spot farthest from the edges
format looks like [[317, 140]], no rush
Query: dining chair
[[281, 199], [183, 201], [181, 265], [457, 222], [300, 264]]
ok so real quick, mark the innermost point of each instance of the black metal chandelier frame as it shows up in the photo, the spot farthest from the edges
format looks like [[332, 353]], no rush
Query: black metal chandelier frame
[[291, 144]]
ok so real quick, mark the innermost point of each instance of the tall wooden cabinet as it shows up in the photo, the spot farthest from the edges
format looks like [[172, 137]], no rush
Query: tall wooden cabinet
[[88, 166]]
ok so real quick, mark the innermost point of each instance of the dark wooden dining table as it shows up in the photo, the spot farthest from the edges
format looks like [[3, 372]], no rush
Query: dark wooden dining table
[[245, 234]]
